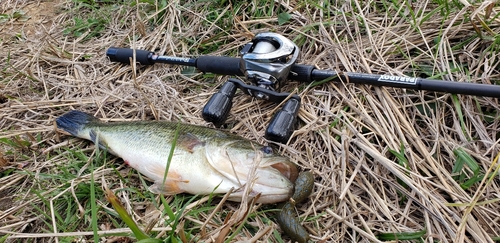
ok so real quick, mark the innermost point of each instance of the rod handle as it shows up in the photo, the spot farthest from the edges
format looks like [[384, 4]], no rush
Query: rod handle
[[283, 123], [219, 64], [217, 108], [301, 73], [123, 55]]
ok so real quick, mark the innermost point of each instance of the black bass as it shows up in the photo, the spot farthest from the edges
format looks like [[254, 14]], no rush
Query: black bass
[[204, 160]]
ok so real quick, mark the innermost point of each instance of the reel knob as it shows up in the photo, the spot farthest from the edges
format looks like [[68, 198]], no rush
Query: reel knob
[[282, 125], [217, 108]]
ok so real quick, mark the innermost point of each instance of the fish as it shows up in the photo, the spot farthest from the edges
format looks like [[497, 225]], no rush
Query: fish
[[204, 160]]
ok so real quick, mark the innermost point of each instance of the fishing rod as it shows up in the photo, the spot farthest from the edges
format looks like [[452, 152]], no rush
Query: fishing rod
[[269, 60]]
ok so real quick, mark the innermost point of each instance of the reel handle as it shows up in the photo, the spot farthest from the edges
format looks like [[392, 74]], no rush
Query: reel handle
[[283, 123], [217, 108]]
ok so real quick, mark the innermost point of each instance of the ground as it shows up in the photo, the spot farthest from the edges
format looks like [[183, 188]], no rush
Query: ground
[[389, 163]]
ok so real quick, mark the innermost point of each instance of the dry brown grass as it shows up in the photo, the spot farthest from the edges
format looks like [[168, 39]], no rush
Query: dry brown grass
[[346, 134]]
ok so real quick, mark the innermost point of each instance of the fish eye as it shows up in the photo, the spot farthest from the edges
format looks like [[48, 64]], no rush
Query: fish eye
[[266, 150]]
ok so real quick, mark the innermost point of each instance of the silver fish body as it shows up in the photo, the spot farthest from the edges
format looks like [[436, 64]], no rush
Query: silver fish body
[[204, 160]]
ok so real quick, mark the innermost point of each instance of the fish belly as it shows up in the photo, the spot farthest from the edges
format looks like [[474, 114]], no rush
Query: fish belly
[[189, 171]]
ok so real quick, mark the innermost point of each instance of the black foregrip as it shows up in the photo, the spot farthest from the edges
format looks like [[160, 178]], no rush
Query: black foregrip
[[123, 55], [301, 73], [219, 65]]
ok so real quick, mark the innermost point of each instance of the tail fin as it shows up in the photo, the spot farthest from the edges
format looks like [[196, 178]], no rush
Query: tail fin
[[74, 121]]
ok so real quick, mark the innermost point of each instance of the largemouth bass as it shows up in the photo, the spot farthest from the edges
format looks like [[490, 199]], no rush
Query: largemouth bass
[[204, 160]]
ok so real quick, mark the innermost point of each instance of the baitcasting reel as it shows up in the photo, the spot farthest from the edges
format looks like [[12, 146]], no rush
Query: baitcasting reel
[[266, 62]]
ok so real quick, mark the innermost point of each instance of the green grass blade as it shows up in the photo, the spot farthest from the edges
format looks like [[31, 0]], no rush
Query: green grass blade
[[179, 214], [326, 80], [4, 238], [458, 108], [465, 157], [115, 202], [401, 236], [171, 153], [402, 161], [167, 209], [482, 203], [400, 155], [93, 204], [457, 168], [283, 18], [473, 180], [150, 240]]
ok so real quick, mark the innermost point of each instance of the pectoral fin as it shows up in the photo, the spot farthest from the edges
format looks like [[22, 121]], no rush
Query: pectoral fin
[[170, 186], [189, 141]]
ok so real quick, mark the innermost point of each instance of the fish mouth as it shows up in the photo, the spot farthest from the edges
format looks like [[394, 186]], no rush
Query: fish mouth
[[275, 182], [287, 169], [264, 194]]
